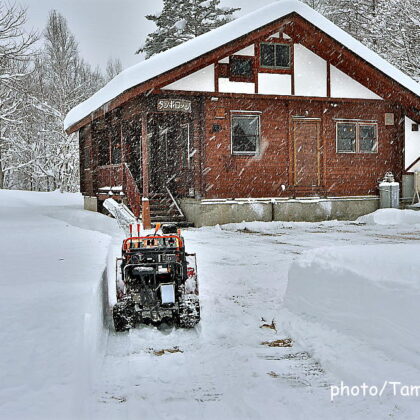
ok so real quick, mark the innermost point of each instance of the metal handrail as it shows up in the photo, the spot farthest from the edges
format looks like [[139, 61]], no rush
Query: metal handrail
[[132, 178], [175, 202], [128, 176]]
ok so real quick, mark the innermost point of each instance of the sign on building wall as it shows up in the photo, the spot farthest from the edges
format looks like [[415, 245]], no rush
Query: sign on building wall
[[181, 105], [389, 119]]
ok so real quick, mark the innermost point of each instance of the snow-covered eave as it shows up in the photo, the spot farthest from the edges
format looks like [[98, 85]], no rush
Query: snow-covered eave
[[169, 60]]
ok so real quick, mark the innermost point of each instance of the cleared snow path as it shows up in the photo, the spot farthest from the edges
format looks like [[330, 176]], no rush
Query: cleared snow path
[[223, 371], [59, 361]]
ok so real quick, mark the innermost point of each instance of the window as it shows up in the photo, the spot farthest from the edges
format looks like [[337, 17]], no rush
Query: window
[[245, 134], [185, 144], [367, 138], [346, 137], [275, 56], [357, 137], [241, 69]]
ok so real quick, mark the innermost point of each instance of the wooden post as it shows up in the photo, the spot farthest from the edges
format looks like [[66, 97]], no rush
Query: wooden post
[[145, 170], [328, 79]]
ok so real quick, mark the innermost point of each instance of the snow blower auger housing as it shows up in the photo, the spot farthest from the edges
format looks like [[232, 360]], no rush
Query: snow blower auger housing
[[156, 281]]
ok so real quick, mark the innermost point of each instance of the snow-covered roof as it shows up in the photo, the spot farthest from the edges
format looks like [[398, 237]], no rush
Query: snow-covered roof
[[190, 50]]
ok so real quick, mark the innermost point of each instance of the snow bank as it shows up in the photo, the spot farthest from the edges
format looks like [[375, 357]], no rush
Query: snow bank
[[391, 217], [53, 256], [209, 41], [366, 295]]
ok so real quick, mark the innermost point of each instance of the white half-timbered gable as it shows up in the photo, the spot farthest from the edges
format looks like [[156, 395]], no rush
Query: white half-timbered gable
[[307, 75]]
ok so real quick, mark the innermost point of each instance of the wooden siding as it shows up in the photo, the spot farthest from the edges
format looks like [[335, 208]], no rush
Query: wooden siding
[[229, 176], [217, 173]]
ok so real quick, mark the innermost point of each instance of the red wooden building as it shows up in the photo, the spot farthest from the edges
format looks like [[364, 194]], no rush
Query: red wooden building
[[244, 122]]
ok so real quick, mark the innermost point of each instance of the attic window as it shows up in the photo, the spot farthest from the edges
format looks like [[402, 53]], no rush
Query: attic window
[[241, 69], [414, 127], [275, 56]]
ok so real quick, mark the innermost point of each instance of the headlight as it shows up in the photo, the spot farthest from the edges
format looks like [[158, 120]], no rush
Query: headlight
[[167, 292]]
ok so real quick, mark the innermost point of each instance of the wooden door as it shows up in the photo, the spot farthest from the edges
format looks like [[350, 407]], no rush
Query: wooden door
[[170, 163], [306, 137]]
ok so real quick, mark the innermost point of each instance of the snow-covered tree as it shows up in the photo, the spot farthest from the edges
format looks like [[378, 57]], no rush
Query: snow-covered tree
[[60, 81], [354, 16], [15, 52], [181, 20], [389, 27], [113, 68], [40, 155], [396, 34]]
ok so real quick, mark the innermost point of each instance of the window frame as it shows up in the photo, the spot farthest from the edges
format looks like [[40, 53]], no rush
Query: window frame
[[357, 141], [246, 79], [275, 68], [245, 114]]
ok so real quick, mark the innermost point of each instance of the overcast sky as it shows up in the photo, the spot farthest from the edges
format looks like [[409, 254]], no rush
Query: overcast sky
[[110, 28]]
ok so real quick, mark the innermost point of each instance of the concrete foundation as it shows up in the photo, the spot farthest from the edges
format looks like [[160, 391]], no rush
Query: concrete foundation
[[90, 203], [213, 212]]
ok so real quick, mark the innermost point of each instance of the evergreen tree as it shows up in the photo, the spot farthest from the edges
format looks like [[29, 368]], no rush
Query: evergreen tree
[[182, 20]]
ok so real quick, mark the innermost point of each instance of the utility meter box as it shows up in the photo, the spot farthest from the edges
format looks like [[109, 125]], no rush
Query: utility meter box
[[389, 193]]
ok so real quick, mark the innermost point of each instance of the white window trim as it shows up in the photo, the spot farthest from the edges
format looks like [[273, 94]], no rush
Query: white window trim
[[244, 114], [358, 123], [275, 54]]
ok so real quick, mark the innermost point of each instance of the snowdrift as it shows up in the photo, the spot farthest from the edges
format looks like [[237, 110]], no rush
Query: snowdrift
[[53, 257], [368, 295], [391, 217]]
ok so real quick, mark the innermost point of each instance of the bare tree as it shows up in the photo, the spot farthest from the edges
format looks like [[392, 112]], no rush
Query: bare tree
[[113, 68], [389, 27], [60, 80], [15, 53], [39, 154]]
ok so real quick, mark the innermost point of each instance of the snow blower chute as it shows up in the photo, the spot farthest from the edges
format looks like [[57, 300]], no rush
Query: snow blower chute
[[156, 281]]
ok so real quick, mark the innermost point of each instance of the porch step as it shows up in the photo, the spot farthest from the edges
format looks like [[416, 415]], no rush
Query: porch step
[[166, 218], [163, 210], [183, 224]]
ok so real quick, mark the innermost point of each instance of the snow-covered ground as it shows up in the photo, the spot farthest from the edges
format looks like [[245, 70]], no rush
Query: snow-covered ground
[[52, 258], [59, 361]]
